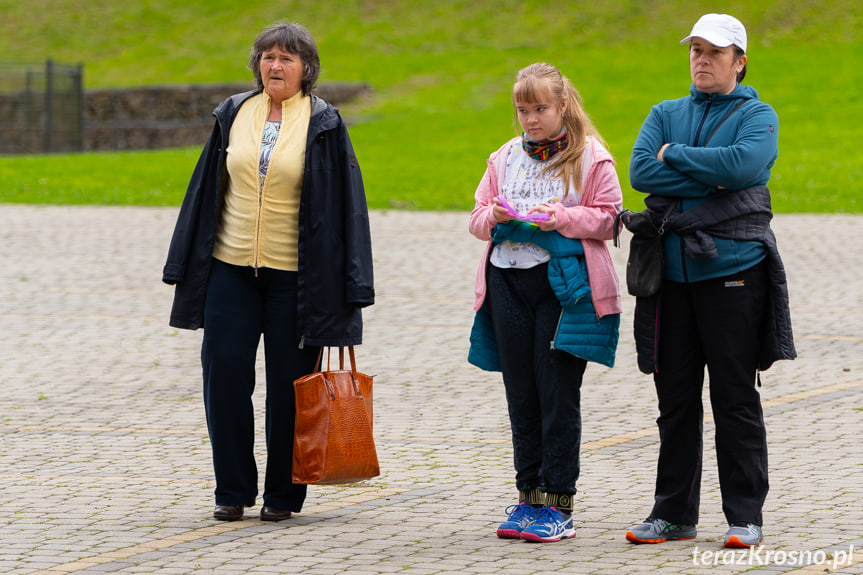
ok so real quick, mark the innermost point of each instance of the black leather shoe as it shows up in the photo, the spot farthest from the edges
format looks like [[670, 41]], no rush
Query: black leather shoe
[[274, 514], [228, 512]]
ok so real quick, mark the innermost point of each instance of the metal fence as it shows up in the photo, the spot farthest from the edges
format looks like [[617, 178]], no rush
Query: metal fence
[[41, 108]]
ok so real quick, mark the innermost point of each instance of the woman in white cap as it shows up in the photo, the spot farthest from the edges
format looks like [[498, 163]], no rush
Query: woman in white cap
[[704, 162]]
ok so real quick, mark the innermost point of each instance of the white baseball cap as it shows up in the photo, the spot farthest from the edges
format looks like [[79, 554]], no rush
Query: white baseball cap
[[720, 30]]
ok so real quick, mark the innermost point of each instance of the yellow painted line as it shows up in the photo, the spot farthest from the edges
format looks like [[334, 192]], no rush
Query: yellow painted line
[[209, 531], [410, 299], [375, 494], [441, 440], [810, 393], [101, 429], [708, 417], [822, 337], [71, 318], [589, 445], [825, 309], [619, 439], [104, 478], [81, 317], [652, 430], [417, 327], [25, 287]]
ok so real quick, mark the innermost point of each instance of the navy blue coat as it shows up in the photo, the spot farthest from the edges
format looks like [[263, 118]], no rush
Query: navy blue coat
[[335, 278]]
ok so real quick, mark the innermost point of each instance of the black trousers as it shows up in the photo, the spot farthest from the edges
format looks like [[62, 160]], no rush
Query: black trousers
[[543, 386], [716, 323], [240, 307]]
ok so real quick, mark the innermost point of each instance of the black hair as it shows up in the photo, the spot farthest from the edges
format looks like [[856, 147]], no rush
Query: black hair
[[738, 54]]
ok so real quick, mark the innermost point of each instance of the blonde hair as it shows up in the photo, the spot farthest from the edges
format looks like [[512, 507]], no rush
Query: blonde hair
[[534, 82]]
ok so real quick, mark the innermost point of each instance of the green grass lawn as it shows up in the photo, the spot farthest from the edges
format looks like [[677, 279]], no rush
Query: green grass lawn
[[441, 74]]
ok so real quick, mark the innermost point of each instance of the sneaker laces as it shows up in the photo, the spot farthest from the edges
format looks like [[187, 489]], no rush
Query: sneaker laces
[[751, 528], [547, 514], [661, 525], [543, 514], [519, 511]]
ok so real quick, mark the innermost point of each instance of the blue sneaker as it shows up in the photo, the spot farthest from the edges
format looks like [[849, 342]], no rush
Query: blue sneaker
[[549, 524], [520, 517]]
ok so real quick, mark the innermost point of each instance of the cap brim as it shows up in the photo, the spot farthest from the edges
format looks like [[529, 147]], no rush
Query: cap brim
[[715, 40]]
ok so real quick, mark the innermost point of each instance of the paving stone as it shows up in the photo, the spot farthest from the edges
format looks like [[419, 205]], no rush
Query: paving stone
[[105, 462]]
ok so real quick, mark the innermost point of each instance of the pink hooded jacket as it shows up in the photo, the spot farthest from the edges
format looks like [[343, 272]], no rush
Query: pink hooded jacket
[[592, 221]]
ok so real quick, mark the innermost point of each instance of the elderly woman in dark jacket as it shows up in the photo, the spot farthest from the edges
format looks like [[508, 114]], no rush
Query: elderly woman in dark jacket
[[272, 238]]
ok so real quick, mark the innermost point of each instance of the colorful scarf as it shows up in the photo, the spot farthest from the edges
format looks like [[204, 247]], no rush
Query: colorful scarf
[[545, 150]]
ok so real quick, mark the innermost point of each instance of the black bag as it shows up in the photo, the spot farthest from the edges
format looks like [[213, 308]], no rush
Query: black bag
[[645, 264]]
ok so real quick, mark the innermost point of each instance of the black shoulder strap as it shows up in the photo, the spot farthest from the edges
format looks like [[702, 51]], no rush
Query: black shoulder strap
[[719, 125]]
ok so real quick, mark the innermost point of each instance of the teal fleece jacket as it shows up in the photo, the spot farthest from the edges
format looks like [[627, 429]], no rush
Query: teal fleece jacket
[[715, 147], [580, 331]]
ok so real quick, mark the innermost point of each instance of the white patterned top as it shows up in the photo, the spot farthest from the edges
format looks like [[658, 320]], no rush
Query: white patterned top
[[524, 187], [268, 142]]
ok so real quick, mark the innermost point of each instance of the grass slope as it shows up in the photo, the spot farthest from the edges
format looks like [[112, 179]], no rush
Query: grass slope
[[441, 73]]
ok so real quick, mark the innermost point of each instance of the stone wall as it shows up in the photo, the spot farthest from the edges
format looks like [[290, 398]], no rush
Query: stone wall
[[171, 116], [142, 118]]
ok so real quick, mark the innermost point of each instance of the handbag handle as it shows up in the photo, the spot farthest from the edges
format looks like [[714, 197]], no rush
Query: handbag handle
[[353, 358], [318, 364]]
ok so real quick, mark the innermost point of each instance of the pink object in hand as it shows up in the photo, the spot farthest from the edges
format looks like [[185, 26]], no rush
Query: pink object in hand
[[537, 217]]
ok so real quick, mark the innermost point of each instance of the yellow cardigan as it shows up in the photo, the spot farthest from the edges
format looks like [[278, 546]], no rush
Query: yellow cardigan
[[258, 225]]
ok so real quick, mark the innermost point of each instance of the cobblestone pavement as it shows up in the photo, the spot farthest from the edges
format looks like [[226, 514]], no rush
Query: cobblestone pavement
[[105, 462]]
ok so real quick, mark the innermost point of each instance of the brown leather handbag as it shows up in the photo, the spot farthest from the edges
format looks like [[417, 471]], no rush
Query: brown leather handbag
[[333, 440]]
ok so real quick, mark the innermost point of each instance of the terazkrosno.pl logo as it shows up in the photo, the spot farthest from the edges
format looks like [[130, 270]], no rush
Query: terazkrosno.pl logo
[[761, 556]]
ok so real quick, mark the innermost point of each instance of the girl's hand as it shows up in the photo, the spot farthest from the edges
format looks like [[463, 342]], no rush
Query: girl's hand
[[550, 223], [501, 215]]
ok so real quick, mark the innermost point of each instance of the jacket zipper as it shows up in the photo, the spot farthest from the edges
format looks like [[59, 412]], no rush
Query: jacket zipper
[[258, 225], [703, 119], [557, 329]]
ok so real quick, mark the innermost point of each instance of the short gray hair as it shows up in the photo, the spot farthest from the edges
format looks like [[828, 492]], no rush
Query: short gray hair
[[293, 38]]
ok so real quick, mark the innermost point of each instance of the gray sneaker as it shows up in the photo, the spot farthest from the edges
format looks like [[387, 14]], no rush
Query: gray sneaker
[[743, 535], [659, 531]]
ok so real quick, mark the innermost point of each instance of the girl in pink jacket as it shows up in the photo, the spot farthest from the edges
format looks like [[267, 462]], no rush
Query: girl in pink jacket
[[559, 177]]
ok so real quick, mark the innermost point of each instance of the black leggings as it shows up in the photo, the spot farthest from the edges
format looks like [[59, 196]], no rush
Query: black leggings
[[543, 386]]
